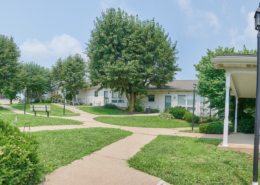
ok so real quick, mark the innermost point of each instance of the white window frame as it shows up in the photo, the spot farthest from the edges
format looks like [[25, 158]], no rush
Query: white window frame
[[186, 104], [95, 93], [153, 98]]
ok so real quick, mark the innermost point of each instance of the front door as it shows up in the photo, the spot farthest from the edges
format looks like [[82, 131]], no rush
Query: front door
[[168, 101], [106, 100]]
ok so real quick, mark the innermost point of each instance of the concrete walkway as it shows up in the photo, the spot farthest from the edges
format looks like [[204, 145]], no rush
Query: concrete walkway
[[108, 165]]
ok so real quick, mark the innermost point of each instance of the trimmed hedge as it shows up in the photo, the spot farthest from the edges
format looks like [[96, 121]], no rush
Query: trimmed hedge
[[178, 112], [110, 106], [211, 128], [47, 101], [137, 109], [155, 111], [55, 96], [19, 162], [188, 117]]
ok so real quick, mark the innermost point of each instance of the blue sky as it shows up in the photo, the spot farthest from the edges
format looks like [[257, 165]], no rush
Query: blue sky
[[46, 30]]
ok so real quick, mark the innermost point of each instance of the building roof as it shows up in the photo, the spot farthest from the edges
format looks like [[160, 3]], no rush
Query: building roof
[[235, 55], [179, 85]]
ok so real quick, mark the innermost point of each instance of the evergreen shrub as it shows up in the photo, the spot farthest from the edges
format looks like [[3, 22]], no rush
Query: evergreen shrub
[[110, 106], [155, 111], [47, 101], [165, 115], [19, 162], [188, 117], [178, 111]]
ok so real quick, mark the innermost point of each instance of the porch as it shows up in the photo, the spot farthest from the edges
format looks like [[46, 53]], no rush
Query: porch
[[240, 71]]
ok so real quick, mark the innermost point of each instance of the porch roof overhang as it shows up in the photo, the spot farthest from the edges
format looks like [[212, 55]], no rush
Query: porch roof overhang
[[242, 71]]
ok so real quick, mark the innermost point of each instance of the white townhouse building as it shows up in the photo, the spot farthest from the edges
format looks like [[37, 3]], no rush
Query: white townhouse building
[[175, 93]]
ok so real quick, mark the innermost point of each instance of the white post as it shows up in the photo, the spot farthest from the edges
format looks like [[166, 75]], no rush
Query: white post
[[235, 130], [225, 132]]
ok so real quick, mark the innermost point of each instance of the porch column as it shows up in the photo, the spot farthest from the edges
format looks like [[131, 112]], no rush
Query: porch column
[[235, 130], [225, 131]]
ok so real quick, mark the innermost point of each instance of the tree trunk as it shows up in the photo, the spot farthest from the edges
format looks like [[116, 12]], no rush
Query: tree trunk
[[27, 96], [11, 101], [40, 97], [132, 101], [74, 95]]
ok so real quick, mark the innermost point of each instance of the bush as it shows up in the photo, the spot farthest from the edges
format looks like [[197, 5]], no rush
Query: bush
[[155, 111], [165, 115], [246, 125], [110, 106], [55, 96], [36, 101], [188, 117], [215, 128], [137, 109], [211, 128], [47, 101], [178, 112], [19, 162], [203, 127]]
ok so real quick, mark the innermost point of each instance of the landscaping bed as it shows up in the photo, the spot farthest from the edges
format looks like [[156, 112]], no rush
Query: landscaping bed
[[185, 160], [144, 121], [56, 110]]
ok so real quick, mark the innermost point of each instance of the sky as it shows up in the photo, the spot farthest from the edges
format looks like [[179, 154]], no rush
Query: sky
[[47, 30]]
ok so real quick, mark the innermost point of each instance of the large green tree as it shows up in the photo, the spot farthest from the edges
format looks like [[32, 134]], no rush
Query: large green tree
[[70, 73], [128, 55], [36, 79], [212, 81], [9, 56]]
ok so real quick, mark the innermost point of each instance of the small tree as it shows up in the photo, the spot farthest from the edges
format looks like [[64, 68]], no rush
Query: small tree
[[9, 56], [128, 55], [70, 73]]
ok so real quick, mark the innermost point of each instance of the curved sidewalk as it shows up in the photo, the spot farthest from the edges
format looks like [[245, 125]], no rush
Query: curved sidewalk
[[108, 165]]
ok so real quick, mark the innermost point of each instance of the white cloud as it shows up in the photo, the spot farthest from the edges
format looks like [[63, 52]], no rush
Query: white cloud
[[197, 18], [249, 33], [60, 46]]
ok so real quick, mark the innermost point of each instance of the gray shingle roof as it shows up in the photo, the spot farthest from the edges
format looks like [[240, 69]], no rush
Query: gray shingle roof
[[174, 85], [179, 85]]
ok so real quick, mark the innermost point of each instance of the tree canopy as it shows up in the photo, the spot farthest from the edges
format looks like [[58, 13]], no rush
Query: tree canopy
[[212, 81], [70, 73], [9, 56], [128, 55], [36, 79]]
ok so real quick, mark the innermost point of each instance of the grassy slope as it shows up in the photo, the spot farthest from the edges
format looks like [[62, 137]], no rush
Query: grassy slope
[[101, 111], [61, 147], [57, 110], [34, 120], [143, 121], [184, 160]]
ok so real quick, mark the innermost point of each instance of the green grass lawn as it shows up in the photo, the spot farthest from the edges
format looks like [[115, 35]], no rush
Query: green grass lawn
[[34, 120], [190, 131], [56, 110], [184, 160], [102, 111], [60, 147], [143, 121]]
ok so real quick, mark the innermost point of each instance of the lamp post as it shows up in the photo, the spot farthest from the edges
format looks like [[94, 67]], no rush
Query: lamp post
[[64, 100], [194, 85], [257, 101], [25, 100]]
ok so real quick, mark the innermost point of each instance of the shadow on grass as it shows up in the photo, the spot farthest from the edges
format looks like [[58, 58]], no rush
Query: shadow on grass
[[242, 180], [214, 142]]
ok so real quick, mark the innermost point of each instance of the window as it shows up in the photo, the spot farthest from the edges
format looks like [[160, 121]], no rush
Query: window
[[186, 101], [114, 97], [77, 91], [181, 99], [120, 98], [96, 93], [151, 98]]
